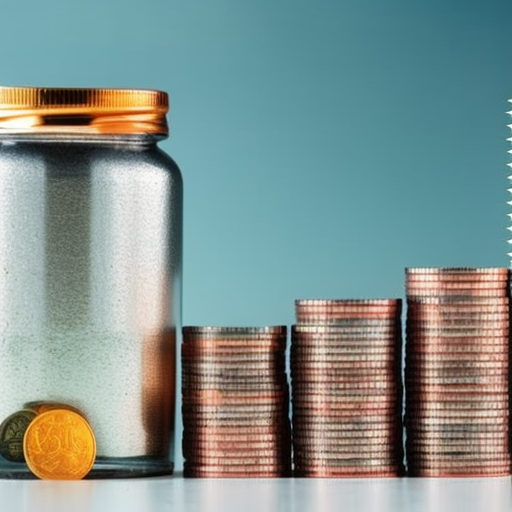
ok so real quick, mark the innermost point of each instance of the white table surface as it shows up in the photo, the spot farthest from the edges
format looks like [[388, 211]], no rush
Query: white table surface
[[258, 495]]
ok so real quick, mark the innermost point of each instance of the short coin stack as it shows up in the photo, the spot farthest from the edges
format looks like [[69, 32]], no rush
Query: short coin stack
[[346, 388], [235, 402], [456, 374]]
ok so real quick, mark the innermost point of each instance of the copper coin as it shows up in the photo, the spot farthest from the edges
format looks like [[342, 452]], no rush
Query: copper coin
[[499, 414], [418, 371], [459, 271], [258, 361], [41, 406], [219, 374], [489, 337], [450, 304], [442, 422], [455, 438], [209, 472], [323, 372], [236, 408], [427, 379], [342, 413], [479, 304], [365, 356], [419, 400], [458, 365], [233, 467], [334, 453], [459, 317], [324, 472], [456, 473], [462, 388], [355, 444], [376, 327], [440, 306], [238, 457], [457, 406], [431, 329], [218, 396], [444, 287], [307, 373], [426, 461], [382, 357], [475, 293], [352, 394], [347, 305], [240, 386], [375, 427], [203, 347], [222, 331], [420, 430], [448, 453], [211, 421], [352, 409], [199, 445], [357, 346], [338, 334], [314, 433], [219, 438], [320, 469], [366, 366], [453, 352]]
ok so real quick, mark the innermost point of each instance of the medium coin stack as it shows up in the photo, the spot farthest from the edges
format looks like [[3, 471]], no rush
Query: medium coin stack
[[235, 402], [456, 374], [346, 388]]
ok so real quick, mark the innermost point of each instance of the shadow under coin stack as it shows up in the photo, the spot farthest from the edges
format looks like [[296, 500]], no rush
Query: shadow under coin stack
[[346, 388], [235, 402], [456, 374]]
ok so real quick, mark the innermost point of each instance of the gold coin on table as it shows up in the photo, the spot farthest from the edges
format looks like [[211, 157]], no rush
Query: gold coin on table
[[59, 444], [12, 431]]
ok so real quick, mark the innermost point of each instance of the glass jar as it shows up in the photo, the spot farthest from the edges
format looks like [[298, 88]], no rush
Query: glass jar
[[90, 269]]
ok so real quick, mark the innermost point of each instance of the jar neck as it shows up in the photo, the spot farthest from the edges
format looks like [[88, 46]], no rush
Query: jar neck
[[78, 138]]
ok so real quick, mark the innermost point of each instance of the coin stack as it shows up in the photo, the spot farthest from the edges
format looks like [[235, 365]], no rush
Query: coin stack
[[235, 402], [346, 388], [456, 374]]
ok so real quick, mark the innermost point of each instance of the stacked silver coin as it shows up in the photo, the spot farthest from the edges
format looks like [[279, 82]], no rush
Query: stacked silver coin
[[456, 374], [346, 388], [235, 402]]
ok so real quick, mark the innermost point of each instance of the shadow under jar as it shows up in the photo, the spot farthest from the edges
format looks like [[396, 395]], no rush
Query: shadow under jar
[[90, 268]]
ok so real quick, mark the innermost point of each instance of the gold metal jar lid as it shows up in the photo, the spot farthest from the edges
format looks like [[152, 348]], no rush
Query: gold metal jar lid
[[87, 111]]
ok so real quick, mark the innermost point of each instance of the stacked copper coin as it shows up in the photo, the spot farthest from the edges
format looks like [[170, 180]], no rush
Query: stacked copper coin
[[456, 375], [346, 388], [235, 402]]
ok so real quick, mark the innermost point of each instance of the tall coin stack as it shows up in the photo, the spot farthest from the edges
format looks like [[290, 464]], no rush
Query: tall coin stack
[[235, 402], [456, 374], [346, 388]]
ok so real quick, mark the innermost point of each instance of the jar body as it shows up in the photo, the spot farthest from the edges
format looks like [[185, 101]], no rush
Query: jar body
[[90, 290]]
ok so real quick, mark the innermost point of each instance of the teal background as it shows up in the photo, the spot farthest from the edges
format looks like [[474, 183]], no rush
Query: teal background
[[325, 144]]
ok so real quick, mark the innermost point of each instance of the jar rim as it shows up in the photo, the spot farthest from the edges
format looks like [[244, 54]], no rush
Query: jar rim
[[83, 110]]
